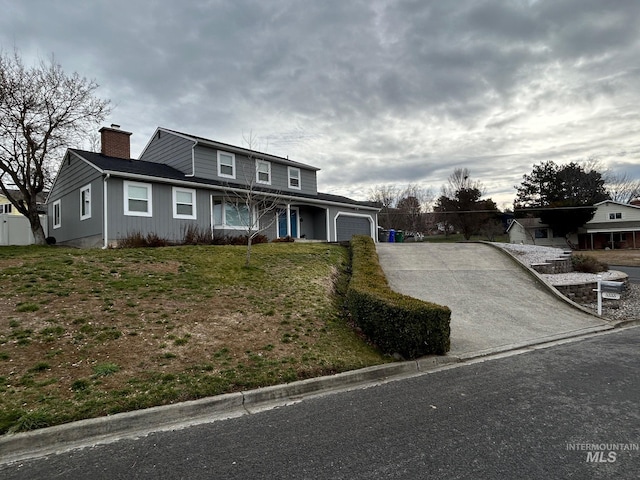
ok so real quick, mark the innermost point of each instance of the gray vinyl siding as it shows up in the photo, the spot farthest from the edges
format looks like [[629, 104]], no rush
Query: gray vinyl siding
[[75, 174], [206, 161], [171, 150], [162, 222]]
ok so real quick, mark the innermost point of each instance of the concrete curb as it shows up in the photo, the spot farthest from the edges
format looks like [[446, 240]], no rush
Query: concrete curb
[[46, 441], [60, 438]]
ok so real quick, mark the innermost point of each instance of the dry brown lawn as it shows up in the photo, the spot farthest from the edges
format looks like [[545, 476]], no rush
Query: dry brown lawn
[[89, 333], [628, 257]]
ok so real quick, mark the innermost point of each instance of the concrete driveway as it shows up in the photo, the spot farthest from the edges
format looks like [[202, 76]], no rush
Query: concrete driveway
[[495, 305]]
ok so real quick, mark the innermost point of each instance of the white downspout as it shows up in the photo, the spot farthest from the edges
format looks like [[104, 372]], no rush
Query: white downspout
[[105, 211]]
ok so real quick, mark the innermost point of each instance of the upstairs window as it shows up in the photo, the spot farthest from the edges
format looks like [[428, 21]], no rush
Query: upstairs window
[[615, 216], [226, 165], [6, 208], [137, 199], [57, 214], [85, 202], [184, 203], [263, 172], [294, 178]]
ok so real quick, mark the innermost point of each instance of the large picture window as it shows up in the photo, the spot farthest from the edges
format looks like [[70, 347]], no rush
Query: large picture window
[[231, 214], [85, 202], [137, 199], [184, 203], [226, 165]]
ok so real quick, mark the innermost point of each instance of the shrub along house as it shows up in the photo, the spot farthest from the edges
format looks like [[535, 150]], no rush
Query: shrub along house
[[184, 182]]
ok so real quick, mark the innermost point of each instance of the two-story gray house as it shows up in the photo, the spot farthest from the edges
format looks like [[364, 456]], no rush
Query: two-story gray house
[[183, 181]]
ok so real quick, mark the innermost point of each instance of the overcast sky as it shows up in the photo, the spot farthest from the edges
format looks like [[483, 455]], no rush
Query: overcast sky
[[371, 92]]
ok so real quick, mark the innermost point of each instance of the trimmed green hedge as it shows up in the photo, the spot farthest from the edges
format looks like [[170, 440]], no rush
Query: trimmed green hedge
[[396, 323]]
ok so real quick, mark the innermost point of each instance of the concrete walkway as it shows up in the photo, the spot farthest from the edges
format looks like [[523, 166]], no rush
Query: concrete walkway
[[495, 304]]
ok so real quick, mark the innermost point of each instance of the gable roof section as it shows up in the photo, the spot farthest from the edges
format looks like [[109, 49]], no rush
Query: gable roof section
[[153, 171], [107, 164], [229, 148]]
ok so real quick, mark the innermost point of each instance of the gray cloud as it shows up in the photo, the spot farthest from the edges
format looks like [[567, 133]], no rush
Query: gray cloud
[[372, 92]]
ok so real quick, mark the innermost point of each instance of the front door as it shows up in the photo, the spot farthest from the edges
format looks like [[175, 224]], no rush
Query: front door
[[282, 222]]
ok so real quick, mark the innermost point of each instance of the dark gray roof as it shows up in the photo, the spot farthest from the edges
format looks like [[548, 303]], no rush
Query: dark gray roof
[[136, 167], [166, 172]]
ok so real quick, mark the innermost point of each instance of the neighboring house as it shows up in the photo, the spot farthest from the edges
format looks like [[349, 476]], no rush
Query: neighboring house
[[531, 231], [614, 225], [7, 207], [182, 181]]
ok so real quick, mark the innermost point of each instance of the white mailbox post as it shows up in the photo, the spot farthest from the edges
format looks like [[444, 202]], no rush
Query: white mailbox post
[[609, 290]]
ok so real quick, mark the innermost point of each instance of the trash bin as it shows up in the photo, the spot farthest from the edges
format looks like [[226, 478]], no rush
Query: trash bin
[[400, 236], [392, 236], [383, 236]]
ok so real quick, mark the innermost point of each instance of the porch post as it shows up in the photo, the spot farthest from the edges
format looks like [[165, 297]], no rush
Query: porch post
[[326, 214], [288, 219], [591, 235]]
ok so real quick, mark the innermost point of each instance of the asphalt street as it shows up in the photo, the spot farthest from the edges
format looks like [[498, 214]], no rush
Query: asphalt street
[[538, 414], [633, 272]]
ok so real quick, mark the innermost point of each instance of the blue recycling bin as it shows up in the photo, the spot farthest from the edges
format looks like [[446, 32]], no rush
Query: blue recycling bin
[[392, 236]]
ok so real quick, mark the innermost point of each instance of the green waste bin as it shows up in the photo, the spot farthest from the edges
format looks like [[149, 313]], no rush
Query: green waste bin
[[400, 236]]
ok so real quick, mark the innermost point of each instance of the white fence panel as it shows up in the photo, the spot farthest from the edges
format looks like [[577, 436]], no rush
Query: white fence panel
[[15, 229]]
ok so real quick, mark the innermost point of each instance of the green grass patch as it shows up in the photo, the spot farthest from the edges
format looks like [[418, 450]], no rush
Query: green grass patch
[[104, 369], [204, 325]]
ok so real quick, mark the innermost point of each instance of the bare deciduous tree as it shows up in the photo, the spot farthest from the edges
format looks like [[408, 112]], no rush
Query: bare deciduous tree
[[386, 196], [402, 207], [255, 207], [414, 202], [42, 111], [621, 187], [461, 206]]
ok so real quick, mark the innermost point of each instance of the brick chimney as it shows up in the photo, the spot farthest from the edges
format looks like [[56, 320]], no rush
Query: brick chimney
[[115, 142]]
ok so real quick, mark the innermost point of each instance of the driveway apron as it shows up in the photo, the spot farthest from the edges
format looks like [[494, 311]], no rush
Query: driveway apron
[[494, 303]]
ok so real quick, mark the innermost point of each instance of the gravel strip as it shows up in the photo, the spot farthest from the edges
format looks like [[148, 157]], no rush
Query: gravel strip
[[627, 308]]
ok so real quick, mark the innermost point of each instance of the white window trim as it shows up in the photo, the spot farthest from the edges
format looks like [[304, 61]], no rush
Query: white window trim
[[86, 188], [233, 165], [268, 164], [125, 188], [299, 177], [176, 190], [224, 225], [57, 206]]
